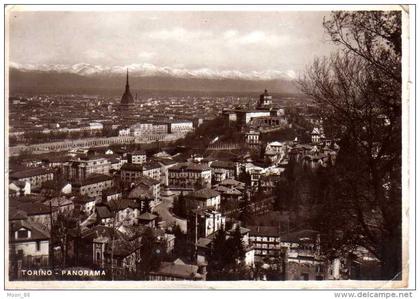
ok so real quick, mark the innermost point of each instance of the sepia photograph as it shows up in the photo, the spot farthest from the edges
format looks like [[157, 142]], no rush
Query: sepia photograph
[[164, 146]]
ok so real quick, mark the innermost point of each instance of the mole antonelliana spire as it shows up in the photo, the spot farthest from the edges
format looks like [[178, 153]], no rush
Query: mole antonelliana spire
[[127, 98]]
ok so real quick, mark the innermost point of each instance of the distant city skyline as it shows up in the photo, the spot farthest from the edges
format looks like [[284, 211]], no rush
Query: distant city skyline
[[196, 43]]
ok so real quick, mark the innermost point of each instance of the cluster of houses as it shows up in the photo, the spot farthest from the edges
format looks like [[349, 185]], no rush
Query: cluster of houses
[[113, 197], [116, 198]]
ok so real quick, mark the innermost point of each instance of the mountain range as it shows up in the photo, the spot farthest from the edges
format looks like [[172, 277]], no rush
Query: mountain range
[[88, 78]]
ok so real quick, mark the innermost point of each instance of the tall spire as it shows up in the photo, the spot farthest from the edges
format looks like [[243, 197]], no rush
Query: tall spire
[[127, 98], [126, 84]]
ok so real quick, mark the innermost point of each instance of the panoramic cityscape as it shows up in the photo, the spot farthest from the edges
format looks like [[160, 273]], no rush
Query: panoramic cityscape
[[145, 148]]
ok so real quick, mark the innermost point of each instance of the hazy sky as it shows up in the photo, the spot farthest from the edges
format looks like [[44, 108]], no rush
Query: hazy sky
[[244, 41]]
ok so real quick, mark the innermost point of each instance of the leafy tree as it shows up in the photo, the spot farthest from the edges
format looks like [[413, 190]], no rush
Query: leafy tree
[[227, 258], [180, 206], [245, 215], [258, 272], [147, 206], [358, 91], [284, 134], [245, 177], [208, 131], [283, 195], [181, 247], [276, 270], [236, 245], [217, 259], [151, 254], [59, 233]]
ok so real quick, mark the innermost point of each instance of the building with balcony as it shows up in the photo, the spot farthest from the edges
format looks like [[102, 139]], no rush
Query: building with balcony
[[266, 241]]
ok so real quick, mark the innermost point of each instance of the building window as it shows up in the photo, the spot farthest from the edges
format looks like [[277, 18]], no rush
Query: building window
[[38, 245], [22, 234]]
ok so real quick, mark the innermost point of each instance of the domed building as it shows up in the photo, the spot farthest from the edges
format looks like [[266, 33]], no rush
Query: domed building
[[266, 101]]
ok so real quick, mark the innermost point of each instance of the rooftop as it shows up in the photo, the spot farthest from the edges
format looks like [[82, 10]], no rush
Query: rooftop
[[298, 236], [16, 214], [30, 208], [103, 212], [242, 230], [178, 270], [37, 232], [93, 179], [194, 167], [231, 182], [138, 152], [132, 167], [145, 180], [122, 204], [204, 193], [83, 199], [31, 172], [151, 165], [264, 231], [147, 216], [223, 164], [203, 242], [55, 185]]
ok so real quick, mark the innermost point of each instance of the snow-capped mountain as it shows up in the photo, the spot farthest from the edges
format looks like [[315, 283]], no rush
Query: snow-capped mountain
[[150, 70], [88, 78]]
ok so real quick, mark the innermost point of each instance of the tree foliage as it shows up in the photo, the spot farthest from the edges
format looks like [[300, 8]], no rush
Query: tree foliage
[[151, 253], [180, 206], [227, 258], [358, 90], [245, 177], [218, 127], [181, 247], [245, 214]]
